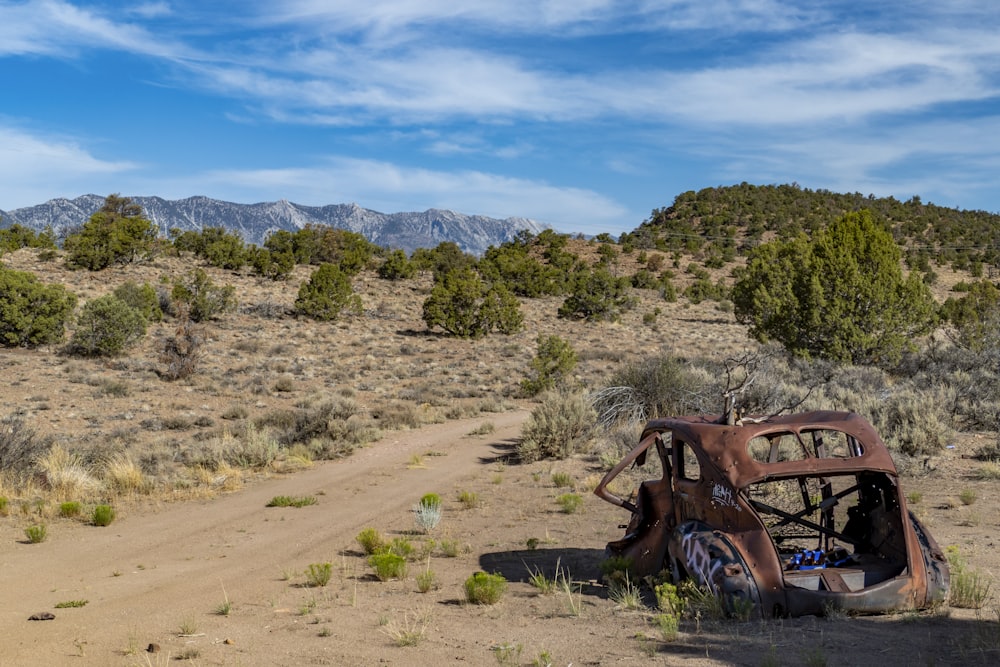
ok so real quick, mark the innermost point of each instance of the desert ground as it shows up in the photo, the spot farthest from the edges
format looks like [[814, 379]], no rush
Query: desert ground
[[199, 569]]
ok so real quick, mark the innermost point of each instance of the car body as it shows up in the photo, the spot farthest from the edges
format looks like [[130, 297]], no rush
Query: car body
[[788, 515]]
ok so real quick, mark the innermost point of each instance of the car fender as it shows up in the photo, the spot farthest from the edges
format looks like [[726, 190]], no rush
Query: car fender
[[711, 560]]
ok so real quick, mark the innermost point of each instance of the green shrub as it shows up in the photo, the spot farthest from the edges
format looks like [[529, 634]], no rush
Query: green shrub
[[273, 265], [371, 541], [558, 428], [143, 298], [397, 267], [483, 588], [348, 251], [967, 496], [970, 588], [318, 574], [468, 499], [297, 247], [18, 236], [597, 296], [562, 480], [116, 234], [569, 503], [202, 298], [36, 533], [327, 293], [668, 624], [103, 515], [32, 313], [615, 567], [427, 580], [216, 245], [70, 509], [71, 604], [975, 316], [449, 548], [703, 289], [513, 265], [462, 305], [669, 599], [444, 258], [838, 295], [431, 500], [291, 501], [401, 547], [552, 365], [388, 565], [107, 327]]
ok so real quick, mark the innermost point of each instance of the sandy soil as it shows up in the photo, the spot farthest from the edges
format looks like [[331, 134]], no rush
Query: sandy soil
[[160, 574]]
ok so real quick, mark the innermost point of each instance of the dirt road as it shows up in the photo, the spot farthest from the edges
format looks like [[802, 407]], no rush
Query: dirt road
[[155, 570]]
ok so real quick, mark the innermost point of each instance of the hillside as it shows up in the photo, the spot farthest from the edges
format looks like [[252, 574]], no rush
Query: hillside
[[717, 223]]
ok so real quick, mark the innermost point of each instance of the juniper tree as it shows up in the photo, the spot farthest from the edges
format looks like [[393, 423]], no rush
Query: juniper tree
[[839, 295]]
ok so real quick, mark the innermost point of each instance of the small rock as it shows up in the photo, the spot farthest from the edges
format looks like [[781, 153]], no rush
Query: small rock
[[42, 616]]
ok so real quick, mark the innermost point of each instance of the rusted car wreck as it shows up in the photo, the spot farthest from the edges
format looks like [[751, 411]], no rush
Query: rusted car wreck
[[794, 515]]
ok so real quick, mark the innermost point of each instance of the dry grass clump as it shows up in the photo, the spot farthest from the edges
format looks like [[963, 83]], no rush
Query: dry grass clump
[[123, 476], [182, 353], [250, 447], [330, 426], [255, 449], [399, 416], [65, 475], [649, 388], [201, 482], [990, 470], [20, 446], [562, 425]]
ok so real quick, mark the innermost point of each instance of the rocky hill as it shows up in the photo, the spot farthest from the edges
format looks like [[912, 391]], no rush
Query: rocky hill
[[472, 233]]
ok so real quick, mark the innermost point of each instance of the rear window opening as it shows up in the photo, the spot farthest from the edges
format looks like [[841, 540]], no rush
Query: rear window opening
[[821, 444], [841, 533]]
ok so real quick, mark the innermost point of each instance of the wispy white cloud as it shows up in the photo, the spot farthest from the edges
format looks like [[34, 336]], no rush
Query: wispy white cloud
[[391, 187], [57, 28], [948, 162], [385, 18], [828, 76], [148, 10], [332, 78], [35, 168]]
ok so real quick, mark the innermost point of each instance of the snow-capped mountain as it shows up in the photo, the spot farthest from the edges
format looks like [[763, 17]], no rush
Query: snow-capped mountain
[[472, 233]]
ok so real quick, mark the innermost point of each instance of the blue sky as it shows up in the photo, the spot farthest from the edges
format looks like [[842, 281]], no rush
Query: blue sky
[[582, 114]]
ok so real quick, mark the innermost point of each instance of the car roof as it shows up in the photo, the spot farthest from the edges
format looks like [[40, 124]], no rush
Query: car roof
[[725, 445]]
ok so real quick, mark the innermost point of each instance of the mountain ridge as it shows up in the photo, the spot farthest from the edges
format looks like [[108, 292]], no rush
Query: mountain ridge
[[405, 230]]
